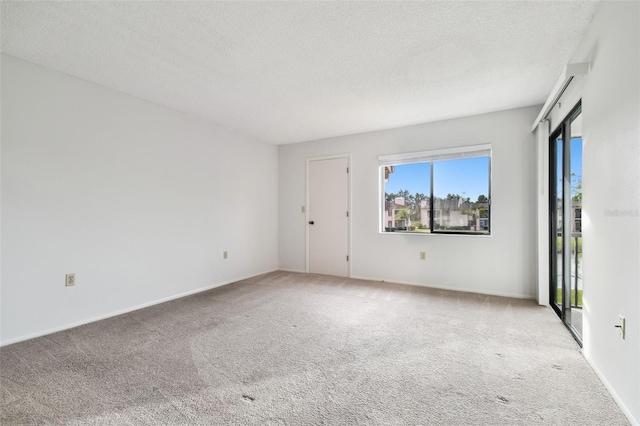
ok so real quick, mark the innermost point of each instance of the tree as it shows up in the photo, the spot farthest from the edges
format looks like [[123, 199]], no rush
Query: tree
[[403, 193], [482, 211], [410, 202], [418, 199], [404, 214], [411, 210], [576, 188]]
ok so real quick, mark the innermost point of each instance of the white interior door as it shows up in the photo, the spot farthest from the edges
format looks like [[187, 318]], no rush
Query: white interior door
[[328, 216]]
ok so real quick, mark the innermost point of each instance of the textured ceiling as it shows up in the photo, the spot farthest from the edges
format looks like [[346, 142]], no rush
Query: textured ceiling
[[288, 72]]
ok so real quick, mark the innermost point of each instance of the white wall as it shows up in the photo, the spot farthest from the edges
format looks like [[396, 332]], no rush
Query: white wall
[[138, 200], [611, 181], [503, 263], [541, 195]]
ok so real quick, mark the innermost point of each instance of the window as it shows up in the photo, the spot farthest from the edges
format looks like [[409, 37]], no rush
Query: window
[[441, 191]]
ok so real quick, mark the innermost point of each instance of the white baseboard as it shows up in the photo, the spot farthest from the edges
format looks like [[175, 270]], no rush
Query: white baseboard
[[612, 391], [464, 290], [127, 310], [292, 270]]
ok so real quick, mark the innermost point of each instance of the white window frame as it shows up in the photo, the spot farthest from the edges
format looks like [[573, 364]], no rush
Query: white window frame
[[431, 156]]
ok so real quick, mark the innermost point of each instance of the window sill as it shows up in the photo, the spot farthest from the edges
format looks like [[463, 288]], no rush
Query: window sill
[[449, 233]]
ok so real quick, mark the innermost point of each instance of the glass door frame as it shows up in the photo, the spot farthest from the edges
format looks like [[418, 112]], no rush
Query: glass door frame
[[563, 131]]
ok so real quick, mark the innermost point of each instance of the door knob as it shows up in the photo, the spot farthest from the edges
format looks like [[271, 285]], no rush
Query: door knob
[[311, 222]]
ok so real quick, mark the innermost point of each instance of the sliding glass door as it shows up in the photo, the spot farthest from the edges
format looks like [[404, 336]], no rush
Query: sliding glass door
[[566, 221]]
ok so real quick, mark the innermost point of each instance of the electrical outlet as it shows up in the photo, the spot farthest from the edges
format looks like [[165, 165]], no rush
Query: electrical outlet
[[621, 326], [423, 255], [225, 254], [70, 280]]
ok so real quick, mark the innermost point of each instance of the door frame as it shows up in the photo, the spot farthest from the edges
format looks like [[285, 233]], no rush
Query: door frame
[[563, 129], [349, 207]]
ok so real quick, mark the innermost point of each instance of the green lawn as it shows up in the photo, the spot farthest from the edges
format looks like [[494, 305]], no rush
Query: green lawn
[[573, 244], [573, 297], [425, 230]]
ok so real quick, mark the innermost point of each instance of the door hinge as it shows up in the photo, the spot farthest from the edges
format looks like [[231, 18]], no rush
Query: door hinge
[[347, 170], [347, 214], [347, 258]]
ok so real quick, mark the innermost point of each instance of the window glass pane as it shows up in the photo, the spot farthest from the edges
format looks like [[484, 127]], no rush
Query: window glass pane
[[576, 174], [454, 191], [576, 223], [407, 189], [461, 195]]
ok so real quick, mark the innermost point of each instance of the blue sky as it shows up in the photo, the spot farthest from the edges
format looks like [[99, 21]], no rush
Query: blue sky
[[467, 177], [576, 164]]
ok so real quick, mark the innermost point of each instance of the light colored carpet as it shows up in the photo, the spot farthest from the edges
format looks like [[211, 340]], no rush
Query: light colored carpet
[[298, 349]]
